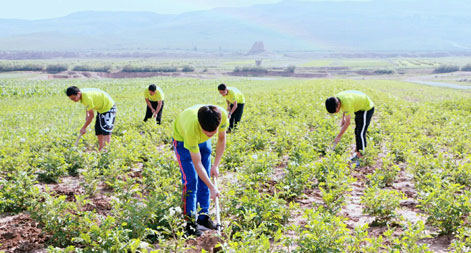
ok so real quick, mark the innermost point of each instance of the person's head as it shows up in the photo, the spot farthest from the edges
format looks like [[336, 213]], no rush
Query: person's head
[[222, 88], [332, 105], [74, 93], [152, 89], [209, 117]]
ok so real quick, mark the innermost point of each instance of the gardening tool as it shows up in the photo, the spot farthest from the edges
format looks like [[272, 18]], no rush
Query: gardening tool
[[333, 146], [78, 139], [218, 217]]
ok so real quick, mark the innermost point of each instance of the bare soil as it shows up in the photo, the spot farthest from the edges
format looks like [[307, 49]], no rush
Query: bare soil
[[208, 241], [20, 233]]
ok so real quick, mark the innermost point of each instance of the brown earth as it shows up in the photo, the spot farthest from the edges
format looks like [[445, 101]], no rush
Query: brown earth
[[20, 233], [208, 241]]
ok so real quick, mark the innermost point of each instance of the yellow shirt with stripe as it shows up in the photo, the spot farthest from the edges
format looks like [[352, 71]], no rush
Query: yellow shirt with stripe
[[96, 99], [352, 101], [187, 129], [158, 95], [234, 94]]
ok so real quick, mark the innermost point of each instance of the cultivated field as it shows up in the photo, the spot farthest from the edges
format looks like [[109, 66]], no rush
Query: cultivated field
[[282, 189]]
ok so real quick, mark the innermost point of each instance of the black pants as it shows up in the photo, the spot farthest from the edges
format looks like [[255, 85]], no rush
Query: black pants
[[159, 113], [362, 121], [236, 116]]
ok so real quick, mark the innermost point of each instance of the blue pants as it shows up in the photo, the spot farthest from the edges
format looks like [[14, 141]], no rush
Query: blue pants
[[195, 190]]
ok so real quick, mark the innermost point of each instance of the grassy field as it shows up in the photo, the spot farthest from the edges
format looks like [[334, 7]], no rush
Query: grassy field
[[282, 189]]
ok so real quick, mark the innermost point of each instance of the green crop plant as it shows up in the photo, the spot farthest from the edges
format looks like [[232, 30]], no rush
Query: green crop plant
[[335, 188], [447, 205], [381, 203], [252, 210], [332, 164], [385, 175], [62, 219], [298, 178], [323, 232], [409, 239], [16, 195], [462, 241]]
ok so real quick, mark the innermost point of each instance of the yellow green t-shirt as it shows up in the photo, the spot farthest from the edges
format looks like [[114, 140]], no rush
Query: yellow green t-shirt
[[233, 94], [96, 99], [187, 129], [158, 95], [352, 101]]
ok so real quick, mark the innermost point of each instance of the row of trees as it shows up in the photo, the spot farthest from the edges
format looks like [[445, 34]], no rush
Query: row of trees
[[56, 68], [259, 69], [452, 68]]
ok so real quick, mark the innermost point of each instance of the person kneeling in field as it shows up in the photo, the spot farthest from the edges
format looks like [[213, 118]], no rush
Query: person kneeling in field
[[96, 99], [192, 132], [154, 97], [350, 102], [235, 103]]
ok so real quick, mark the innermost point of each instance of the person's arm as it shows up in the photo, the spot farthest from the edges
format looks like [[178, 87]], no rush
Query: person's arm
[[345, 125], [342, 122], [220, 147], [150, 105], [196, 158], [158, 106], [228, 105], [234, 107], [88, 119]]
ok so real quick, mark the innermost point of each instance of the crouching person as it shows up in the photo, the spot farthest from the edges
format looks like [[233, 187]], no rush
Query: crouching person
[[154, 97], [352, 102], [192, 132], [96, 99]]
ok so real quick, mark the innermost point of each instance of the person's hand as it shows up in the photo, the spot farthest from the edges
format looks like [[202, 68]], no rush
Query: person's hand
[[214, 171], [83, 130], [229, 116], [214, 193], [336, 140]]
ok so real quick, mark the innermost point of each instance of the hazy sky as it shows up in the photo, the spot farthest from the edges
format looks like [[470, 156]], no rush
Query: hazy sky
[[39, 9]]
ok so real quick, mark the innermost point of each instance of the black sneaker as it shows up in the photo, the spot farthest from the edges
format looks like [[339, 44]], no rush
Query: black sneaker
[[206, 222], [354, 158], [192, 230]]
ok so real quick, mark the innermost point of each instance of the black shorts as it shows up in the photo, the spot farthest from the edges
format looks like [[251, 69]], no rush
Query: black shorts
[[104, 122]]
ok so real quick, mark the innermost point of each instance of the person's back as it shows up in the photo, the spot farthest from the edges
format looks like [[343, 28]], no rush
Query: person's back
[[96, 99], [353, 101], [187, 129], [235, 94]]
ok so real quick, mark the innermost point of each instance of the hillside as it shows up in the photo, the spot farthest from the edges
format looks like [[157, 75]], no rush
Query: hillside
[[285, 26]]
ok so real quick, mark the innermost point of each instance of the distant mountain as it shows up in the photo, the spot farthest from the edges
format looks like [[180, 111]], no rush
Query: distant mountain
[[285, 26]]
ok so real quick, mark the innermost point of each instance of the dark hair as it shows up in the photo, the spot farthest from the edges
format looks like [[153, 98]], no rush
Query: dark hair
[[222, 87], [331, 104], [152, 87], [209, 117], [72, 90]]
